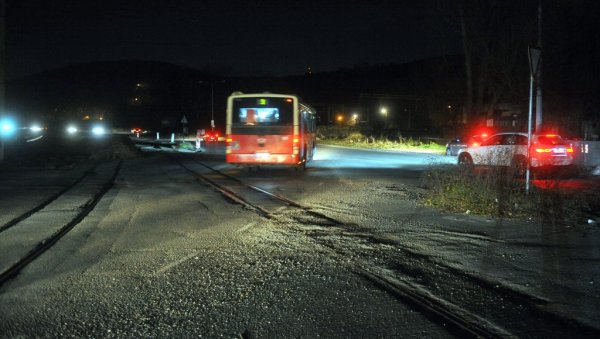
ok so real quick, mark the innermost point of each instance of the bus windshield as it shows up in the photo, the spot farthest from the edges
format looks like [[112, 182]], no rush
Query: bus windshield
[[263, 111]]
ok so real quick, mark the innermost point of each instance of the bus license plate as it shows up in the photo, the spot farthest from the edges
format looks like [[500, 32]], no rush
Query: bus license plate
[[262, 156]]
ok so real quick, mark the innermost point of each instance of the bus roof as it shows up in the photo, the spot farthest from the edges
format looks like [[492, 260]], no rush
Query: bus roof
[[263, 94], [269, 94]]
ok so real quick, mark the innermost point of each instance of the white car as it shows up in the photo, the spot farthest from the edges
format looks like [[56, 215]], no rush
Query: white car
[[510, 149]]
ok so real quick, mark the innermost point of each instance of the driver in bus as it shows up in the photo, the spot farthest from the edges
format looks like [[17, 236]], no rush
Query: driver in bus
[[251, 117]]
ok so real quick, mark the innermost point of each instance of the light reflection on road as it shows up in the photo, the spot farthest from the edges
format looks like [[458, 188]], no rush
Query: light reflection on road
[[340, 157]]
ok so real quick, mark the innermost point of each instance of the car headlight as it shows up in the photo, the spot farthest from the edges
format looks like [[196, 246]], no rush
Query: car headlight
[[98, 130], [35, 128], [71, 129], [7, 127]]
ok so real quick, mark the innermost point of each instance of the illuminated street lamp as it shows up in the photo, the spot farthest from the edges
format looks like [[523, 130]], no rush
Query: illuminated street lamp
[[384, 112], [340, 118], [355, 118]]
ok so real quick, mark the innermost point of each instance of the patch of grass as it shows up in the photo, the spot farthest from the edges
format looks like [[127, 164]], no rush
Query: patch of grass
[[186, 145], [497, 193], [357, 139]]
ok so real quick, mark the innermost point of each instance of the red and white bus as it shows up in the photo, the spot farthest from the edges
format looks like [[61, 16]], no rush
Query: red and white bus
[[269, 129]]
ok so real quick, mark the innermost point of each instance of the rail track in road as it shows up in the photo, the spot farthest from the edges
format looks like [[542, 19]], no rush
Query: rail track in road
[[43, 239], [46, 202], [409, 276]]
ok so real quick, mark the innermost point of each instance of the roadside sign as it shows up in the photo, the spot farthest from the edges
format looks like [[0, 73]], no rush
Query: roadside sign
[[184, 120]]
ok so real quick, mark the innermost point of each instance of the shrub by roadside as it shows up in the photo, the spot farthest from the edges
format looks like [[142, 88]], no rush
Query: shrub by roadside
[[355, 137], [497, 193]]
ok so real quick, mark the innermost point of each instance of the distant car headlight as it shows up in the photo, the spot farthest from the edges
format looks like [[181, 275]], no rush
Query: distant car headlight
[[71, 129], [98, 130], [35, 128], [7, 127]]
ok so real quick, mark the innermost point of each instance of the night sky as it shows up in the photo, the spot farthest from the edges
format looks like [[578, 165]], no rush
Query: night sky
[[244, 37]]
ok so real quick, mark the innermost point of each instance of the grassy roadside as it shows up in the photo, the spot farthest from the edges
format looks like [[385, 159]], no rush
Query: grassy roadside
[[497, 193], [352, 137], [494, 193], [404, 145]]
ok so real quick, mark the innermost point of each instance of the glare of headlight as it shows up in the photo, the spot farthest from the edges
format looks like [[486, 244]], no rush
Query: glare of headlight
[[98, 130], [35, 128], [7, 127], [71, 129]]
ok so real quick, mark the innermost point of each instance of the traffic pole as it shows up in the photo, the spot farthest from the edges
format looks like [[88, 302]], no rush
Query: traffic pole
[[2, 68], [535, 55]]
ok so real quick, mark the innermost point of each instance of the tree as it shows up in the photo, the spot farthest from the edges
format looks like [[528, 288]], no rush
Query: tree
[[494, 37]]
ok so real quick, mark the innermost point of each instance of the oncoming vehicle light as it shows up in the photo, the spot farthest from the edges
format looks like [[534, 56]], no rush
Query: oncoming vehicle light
[[98, 130], [72, 129], [7, 127], [35, 128]]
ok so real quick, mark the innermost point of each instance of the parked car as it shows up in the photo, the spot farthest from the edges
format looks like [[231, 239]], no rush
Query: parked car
[[454, 146], [510, 149]]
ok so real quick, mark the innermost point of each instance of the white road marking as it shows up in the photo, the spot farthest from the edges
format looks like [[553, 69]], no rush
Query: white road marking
[[174, 263], [246, 227]]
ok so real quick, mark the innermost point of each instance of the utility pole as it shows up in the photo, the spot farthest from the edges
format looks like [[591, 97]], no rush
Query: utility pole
[[538, 75], [2, 68], [212, 100]]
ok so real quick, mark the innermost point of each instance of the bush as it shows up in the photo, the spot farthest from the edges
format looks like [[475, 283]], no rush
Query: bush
[[355, 137], [185, 145], [497, 193]]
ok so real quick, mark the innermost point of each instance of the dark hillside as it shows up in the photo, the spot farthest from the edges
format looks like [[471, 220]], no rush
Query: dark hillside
[[124, 92], [155, 95]]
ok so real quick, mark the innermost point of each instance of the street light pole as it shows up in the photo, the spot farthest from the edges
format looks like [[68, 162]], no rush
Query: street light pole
[[212, 106], [2, 67], [212, 100], [534, 64], [538, 99], [384, 111]]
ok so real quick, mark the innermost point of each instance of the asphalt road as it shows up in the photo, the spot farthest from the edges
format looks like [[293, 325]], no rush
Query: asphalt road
[[165, 255]]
